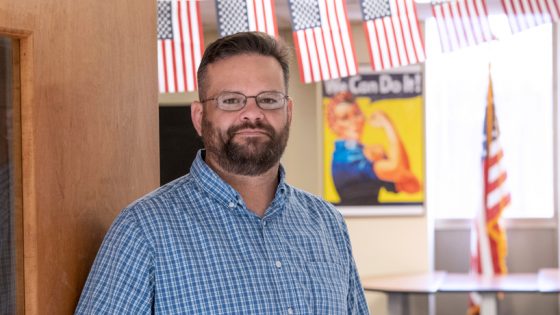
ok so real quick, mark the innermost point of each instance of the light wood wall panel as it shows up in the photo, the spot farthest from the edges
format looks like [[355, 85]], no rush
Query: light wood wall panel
[[90, 132]]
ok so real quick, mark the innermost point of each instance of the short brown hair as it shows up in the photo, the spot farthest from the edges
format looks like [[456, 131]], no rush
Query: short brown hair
[[239, 44]]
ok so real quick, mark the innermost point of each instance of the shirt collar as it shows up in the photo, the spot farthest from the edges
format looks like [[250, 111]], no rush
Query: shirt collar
[[221, 191]]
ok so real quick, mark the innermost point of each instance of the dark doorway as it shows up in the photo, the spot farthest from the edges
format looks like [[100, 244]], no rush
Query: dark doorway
[[178, 142]]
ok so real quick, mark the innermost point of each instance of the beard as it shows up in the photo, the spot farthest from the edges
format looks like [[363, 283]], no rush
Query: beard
[[253, 155]]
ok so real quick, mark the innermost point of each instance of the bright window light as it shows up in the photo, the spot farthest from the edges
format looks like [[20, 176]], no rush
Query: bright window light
[[456, 88]]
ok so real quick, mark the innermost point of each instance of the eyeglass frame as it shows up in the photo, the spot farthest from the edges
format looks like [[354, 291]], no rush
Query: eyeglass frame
[[285, 97]]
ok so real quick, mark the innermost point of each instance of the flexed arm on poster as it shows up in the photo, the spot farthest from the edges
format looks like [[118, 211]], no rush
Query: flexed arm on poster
[[392, 164]]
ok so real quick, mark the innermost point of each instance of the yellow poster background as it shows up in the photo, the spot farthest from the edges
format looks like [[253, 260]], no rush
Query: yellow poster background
[[407, 116]]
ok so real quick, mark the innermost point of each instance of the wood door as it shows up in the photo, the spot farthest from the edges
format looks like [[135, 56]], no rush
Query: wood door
[[89, 138]]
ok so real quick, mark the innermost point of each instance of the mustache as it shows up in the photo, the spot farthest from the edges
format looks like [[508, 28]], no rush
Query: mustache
[[258, 125]]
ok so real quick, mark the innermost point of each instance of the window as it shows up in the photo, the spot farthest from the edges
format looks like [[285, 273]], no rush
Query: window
[[456, 88]]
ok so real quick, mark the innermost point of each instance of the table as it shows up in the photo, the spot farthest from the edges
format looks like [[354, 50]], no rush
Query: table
[[400, 286], [549, 280], [487, 287]]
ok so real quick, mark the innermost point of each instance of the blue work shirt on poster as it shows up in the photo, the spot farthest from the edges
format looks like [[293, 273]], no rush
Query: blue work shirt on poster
[[354, 177]]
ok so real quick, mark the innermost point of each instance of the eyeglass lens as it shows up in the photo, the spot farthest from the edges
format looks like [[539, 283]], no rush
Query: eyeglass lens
[[236, 101]]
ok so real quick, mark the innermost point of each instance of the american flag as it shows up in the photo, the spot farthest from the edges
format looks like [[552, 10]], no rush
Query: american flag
[[322, 39], [461, 23], [523, 14], [394, 38], [179, 45], [236, 16], [488, 239]]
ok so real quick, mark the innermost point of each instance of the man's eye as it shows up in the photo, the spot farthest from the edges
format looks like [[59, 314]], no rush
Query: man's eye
[[267, 100], [231, 100]]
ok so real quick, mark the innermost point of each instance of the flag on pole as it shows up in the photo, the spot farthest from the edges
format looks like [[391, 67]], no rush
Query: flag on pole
[[523, 14], [322, 38], [461, 23], [393, 34], [236, 16], [488, 239], [179, 44]]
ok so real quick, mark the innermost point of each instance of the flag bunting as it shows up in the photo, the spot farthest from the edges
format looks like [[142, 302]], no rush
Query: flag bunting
[[179, 45], [236, 16], [322, 38], [461, 23], [392, 32]]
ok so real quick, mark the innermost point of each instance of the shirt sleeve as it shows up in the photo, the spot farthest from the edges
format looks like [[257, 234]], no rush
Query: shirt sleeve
[[121, 280], [356, 300]]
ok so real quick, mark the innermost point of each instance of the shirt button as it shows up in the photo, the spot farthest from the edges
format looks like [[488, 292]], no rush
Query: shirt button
[[264, 223], [278, 264], [290, 310], [231, 205]]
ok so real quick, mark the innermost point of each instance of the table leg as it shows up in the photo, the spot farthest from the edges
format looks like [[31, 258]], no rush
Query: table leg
[[398, 304], [488, 304]]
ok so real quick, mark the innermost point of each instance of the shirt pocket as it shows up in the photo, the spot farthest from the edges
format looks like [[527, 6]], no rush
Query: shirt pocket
[[328, 285]]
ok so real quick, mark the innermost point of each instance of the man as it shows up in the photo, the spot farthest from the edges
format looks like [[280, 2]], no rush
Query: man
[[231, 237], [360, 171]]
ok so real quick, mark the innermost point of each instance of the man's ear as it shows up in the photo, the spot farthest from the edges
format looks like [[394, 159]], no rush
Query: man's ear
[[289, 110], [196, 116]]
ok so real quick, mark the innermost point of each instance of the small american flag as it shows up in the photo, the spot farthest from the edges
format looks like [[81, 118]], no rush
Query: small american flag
[[322, 39], [394, 38], [488, 239], [523, 14], [236, 16], [461, 23], [179, 45]]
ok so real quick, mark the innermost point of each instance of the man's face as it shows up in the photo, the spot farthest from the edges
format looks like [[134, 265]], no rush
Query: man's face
[[249, 141]]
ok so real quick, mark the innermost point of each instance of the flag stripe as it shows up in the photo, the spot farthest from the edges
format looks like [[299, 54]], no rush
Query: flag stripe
[[414, 28], [192, 59], [402, 37], [301, 66], [332, 52], [180, 21], [320, 51], [332, 24], [346, 35], [312, 51], [349, 41], [260, 15], [443, 36], [270, 19], [251, 15]]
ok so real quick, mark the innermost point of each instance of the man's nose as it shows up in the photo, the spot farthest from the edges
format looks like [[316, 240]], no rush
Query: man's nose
[[252, 111]]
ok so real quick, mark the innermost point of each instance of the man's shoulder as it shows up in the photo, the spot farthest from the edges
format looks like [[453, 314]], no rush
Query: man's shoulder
[[168, 196], [313, 203]]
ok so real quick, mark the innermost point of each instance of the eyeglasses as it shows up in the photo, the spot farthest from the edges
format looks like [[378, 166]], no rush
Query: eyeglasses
[[233, 101]]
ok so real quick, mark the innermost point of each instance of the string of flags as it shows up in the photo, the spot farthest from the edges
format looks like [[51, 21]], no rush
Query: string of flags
[[323, 37]]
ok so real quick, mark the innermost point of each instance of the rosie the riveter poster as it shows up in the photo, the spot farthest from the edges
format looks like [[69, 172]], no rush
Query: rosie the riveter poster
[[374, 143]]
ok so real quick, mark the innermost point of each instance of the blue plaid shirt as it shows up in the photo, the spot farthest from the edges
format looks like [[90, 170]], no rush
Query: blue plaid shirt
[[193, 247]]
